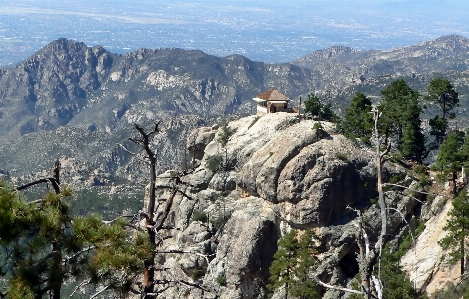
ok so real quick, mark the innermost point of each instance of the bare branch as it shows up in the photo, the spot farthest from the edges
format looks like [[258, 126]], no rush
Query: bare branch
[[100, 291], [35, 201], [167, 208], [463, 277], [83, 283], [133, 154], [418, 191], [133, 216], [67, 258], [194, 285], [388, 148], [205, 256], [53, 181], [329, 286], [159, 291], [407, 223], [136, 227], [378, 286]]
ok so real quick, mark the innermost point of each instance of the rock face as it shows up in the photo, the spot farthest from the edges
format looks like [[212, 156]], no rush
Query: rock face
[[197, 141], [246, 248], [281, 175], [345, 63], [424, 263], [48, 89]]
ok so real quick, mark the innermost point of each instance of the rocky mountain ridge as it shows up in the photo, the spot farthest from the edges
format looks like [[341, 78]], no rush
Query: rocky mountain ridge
[[281, 175], [68, 83], [97, 93], [443, 54]]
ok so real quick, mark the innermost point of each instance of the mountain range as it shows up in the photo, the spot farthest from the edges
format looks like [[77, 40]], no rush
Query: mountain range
[[77, 101]]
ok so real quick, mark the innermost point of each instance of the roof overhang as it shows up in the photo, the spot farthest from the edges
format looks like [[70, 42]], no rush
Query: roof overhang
[[272, 101]]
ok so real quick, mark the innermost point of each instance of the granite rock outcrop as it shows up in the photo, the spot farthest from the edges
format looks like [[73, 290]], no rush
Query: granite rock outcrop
[[281, 174]]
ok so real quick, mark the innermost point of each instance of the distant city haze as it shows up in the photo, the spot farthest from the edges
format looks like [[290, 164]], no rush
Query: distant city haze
[[269, 31]]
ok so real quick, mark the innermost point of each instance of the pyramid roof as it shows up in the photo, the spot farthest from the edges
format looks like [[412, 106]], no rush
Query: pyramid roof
[[273, 95]]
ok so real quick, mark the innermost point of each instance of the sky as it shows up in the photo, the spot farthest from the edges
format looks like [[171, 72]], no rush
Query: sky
[[270, 31]]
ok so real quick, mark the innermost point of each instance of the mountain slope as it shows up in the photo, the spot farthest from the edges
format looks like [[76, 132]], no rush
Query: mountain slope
[[342, 63], [97, 93], [67, 82]]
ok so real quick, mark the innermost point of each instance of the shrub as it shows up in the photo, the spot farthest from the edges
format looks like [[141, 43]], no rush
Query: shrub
[[199, 216], [395, 179], [254, 121], [420, 169], [419, 228], [219, 222], [225, 134], [197, 272], [320, 133], [423, 180], [342, 156], [213, 162], [221, 279], [366, 140], [440, 178]]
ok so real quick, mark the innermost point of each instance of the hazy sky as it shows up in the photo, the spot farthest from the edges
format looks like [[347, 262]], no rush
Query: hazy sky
[[273, 31]]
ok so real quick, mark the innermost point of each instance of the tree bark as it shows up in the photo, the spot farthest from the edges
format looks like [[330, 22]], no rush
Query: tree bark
[[149, 264], [462, 250], [57, 271], [453, 180]]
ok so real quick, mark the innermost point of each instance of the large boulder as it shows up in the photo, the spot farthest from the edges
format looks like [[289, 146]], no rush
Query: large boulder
[[246, 248], [198, 140]]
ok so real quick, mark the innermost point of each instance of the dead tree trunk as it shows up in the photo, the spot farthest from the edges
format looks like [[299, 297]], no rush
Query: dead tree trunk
[[369, 256], [154, 223], [150, 157]]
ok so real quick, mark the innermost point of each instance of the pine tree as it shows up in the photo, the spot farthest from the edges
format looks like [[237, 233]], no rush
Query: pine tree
[[46, 246], [322, 111], [292, 264], [441, 93], [305, 287], [457, 227], [412, 142], [395, 283], [284, 260], [451, 157], [313, 105], [358, 120], [394, 99], [329, 115]]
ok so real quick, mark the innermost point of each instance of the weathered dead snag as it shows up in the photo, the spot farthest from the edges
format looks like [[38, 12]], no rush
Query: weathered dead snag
[[154, 224]]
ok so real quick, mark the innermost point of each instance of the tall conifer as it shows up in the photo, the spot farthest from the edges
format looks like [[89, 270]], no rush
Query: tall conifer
[[441, 93], [412, 142], [358, 120], [457, 227]]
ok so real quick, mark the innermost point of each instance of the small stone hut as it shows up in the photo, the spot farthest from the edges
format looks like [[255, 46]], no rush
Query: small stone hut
[[272, 101]]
